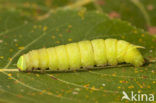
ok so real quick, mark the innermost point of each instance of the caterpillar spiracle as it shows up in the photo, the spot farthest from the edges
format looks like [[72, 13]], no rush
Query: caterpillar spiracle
[[83, 54]]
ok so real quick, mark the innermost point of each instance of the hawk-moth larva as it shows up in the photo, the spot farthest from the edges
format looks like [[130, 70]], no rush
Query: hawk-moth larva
[[85, 54]]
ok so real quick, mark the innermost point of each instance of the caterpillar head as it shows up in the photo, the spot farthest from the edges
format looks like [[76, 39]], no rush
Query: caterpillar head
[[21, 64]]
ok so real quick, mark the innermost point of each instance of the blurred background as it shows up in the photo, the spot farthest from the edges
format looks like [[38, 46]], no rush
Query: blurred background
[[140, 13]]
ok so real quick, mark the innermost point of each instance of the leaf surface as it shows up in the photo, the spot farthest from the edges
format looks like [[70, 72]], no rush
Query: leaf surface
[[62, 27]]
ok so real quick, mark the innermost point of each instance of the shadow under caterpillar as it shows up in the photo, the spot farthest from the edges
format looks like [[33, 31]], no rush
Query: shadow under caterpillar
[[82, 54]]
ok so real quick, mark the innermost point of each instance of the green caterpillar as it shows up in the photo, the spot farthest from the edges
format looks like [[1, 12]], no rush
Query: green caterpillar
[[84, 54]]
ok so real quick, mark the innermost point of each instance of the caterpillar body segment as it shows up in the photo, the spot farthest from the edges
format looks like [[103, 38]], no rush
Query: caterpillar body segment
[[111, 49], [99, 54], [43, 58], [84, 54], [34, 59], [133, 56], [53, 60], [62, 56], [74, 55], [87, 54], [121, 50]]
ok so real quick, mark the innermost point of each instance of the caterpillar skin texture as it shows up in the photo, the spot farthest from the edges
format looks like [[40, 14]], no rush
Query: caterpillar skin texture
[[84, 54]]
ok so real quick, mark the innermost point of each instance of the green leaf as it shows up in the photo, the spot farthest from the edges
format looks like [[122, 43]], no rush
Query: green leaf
[[33, 8], [62, 27]]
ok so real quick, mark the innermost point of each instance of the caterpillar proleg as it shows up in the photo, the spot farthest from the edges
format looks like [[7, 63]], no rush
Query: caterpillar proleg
[[84, 54]]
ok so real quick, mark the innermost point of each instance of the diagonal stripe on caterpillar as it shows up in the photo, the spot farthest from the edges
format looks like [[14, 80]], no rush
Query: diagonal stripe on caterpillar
[[84, 54]]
